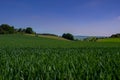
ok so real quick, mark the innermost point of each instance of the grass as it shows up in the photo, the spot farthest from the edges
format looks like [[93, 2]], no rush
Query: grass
[[48, 36], [24, 57], [109, 40], [24, 41], [53, 37]]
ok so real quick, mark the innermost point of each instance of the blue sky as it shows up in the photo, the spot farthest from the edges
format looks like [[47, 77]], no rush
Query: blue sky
[[79, 17]]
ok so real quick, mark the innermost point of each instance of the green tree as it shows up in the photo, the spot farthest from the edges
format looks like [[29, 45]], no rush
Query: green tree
[[2, 31], [115, 35], [6, 29], [29, 30], [68, 36], [20, 30]]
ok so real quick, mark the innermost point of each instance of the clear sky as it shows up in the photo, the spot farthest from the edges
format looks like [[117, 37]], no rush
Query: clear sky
[[79, 17]]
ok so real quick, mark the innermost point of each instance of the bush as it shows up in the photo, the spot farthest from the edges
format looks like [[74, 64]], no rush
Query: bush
[[68, 36]]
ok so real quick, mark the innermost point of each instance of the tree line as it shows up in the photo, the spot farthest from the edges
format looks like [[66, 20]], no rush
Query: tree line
[[115, 35], [7, 29]]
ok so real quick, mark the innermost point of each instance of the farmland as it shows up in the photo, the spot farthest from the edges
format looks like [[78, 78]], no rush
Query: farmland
[[109, 40], [24, 57]]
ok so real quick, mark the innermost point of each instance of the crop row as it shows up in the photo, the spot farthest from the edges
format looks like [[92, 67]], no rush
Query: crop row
[[59, 64]]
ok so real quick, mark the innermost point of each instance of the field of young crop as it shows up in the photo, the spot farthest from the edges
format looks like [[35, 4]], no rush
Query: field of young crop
[[32, 58], [109, 40]]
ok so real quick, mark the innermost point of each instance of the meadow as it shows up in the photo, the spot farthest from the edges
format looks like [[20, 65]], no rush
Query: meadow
[[109, 40], [24, 57]]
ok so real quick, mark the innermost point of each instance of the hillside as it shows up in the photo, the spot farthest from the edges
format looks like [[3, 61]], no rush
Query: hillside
[[49, 36], [19, 40], [28, 57], [109, 40], [53, 37]]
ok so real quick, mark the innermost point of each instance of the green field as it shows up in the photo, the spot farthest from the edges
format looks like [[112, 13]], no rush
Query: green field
[[109, 40], [24, 57]]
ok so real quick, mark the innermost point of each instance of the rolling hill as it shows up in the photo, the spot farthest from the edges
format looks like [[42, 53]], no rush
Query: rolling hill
[[109, 40]]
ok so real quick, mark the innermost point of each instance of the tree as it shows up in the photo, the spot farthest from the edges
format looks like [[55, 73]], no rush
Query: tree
[[2, 31], [20, 30], [6, 29], [48, 34], [29, 30], [68, 36], [115, 35]]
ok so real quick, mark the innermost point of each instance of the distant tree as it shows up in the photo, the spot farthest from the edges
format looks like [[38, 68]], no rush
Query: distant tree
[[11, 30], [29, 30], [48, 34], [24, 30], [6, 29], [20, 30], [2, 31], [115, 35], [15, 30], [68, 36]]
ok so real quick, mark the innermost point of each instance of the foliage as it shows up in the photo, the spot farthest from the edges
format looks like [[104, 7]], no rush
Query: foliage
[[29, 30], [21, 30], [68, 36], [6, 29], [115, 35], [48, 34], [92, 39]]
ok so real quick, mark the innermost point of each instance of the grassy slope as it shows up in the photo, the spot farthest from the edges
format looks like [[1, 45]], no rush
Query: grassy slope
[[53, 37], [18, 40], [32, 41], [32, 58], [109, 40], [48, 36]]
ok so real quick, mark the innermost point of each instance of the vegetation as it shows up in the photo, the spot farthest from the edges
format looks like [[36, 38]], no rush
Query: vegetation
[[115, 35], [68, 36], [60, 63], [24, 57], [92, 39], [48, 34], [29, 30], [109, 40], [52, 37], [27, 57], [24, 41], [7, 29]]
